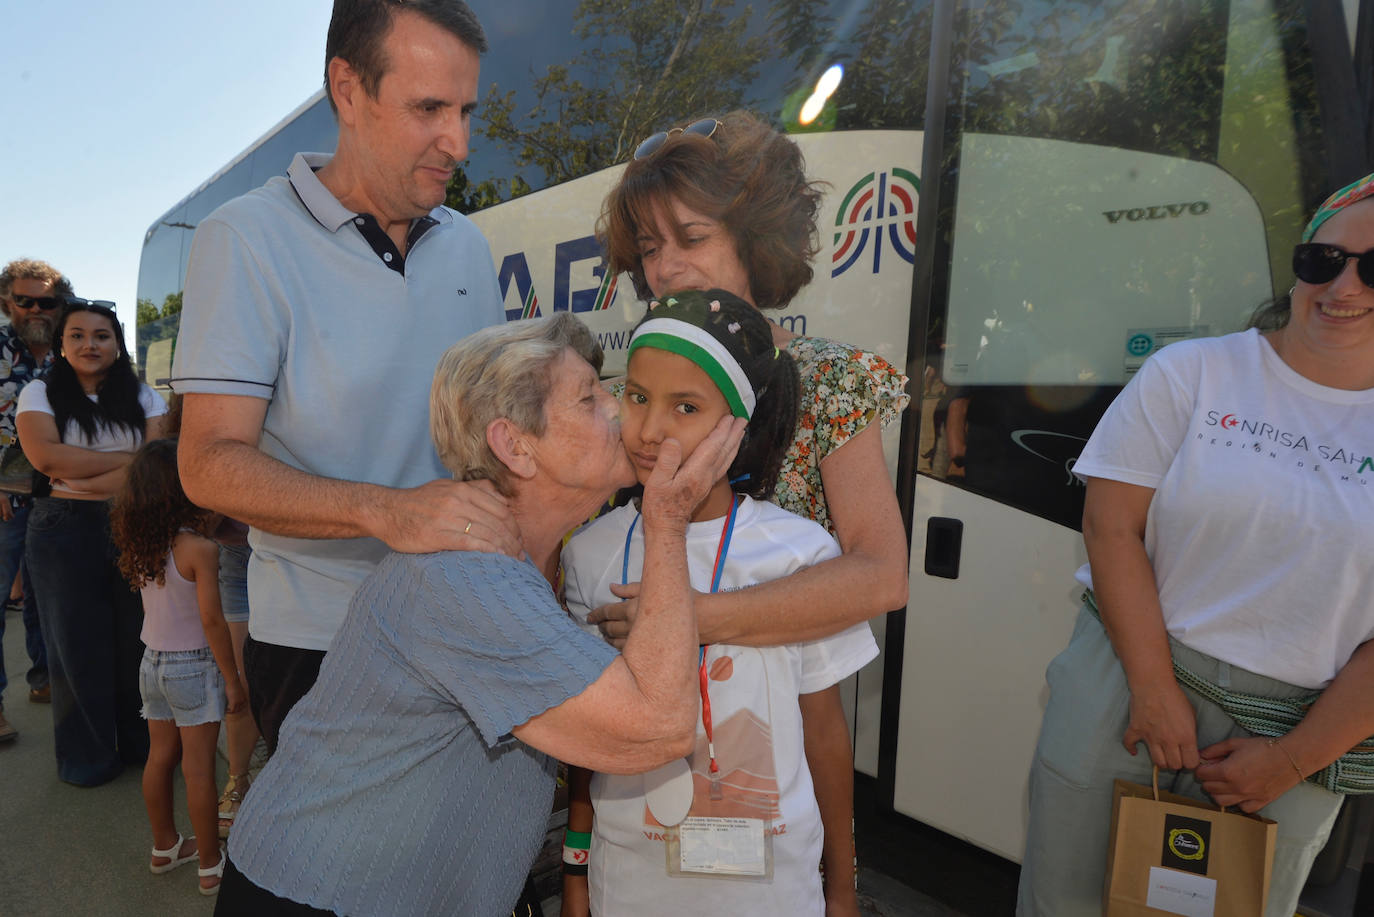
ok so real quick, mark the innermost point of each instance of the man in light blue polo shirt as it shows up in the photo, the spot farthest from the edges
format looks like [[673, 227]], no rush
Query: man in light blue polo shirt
[[316, 309]]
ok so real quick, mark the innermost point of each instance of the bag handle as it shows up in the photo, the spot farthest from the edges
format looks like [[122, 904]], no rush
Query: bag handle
[[1154, 784]]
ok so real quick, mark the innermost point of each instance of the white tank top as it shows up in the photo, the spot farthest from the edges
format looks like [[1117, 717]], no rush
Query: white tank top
[[171, 615]]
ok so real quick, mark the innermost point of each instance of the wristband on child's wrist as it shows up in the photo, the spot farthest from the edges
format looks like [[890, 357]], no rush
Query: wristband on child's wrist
[[576, 852]]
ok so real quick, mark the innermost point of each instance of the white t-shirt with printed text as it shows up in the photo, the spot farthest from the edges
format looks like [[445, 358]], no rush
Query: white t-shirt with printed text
[[757, 723], [1261, 529]]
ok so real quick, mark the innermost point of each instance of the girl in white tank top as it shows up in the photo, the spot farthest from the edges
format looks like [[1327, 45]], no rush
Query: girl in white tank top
[[188, 679]]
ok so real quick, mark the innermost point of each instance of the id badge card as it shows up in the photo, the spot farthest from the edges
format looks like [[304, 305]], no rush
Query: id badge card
[[721, 847]]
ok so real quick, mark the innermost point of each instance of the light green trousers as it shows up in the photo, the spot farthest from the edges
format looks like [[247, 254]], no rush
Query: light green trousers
[[1080, 753]]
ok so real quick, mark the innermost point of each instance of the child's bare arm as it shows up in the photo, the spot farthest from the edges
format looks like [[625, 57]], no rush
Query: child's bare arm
[[576, 892], [830, 758], [202, 556]]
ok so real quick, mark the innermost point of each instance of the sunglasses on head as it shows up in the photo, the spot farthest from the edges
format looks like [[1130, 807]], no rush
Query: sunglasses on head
[[706, 127], [1318, 262], [101, 303], [46, 303]]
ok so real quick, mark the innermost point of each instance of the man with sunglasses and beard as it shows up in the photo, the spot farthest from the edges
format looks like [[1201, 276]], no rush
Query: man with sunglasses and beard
[[31, 296]]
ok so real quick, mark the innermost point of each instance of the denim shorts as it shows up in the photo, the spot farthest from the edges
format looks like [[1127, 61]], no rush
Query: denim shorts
[[233, 582], [181, 685]]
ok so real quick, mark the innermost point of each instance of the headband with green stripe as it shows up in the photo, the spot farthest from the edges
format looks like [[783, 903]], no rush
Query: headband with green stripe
[[699, 346]]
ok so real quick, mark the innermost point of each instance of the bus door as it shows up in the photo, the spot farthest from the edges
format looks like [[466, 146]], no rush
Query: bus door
[[1112, 177]]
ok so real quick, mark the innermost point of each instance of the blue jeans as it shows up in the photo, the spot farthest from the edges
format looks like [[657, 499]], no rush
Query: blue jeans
[[92, 621], [184, 686], [11, 559]]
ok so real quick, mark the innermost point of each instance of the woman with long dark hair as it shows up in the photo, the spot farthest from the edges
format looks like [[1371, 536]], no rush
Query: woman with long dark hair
[[80, 427]]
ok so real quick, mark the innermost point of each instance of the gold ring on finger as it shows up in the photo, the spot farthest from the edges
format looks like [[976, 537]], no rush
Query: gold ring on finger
[[467, 528]]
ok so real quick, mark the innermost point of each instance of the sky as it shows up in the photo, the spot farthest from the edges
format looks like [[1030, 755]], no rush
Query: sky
[[116, 111]]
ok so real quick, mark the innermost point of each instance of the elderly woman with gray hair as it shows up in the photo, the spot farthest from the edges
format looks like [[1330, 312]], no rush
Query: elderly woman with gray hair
[[417, 775]]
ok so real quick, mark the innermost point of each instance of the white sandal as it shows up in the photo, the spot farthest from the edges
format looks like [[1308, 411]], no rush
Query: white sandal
[[171, 854], [217, 871]]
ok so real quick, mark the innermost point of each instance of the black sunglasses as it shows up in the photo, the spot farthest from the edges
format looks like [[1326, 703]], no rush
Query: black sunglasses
[[46, 303], [102, 303], [706, 127], [1318, 262]]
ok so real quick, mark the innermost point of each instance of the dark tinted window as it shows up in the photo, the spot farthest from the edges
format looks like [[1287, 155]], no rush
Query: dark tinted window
[[575, 88], [1118, 175]]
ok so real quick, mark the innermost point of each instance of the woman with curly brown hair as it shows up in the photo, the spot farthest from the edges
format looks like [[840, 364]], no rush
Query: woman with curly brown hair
[[726, 203], [188, 666]]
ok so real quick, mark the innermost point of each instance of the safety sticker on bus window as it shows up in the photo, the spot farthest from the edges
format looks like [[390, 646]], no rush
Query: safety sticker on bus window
[[1141, 342]]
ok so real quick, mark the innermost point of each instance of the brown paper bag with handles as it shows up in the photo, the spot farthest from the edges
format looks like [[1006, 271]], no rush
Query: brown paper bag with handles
[[1169, 854]]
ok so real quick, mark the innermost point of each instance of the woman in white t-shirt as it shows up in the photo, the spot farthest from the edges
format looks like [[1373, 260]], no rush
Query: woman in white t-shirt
[[1230, 489], [80, 426]]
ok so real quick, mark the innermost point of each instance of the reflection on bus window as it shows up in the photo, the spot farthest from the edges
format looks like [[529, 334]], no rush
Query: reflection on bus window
[[1127, 174], [632, 69]]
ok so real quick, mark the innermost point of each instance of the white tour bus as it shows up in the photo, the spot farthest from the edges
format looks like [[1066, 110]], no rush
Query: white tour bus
[[1025, 199]]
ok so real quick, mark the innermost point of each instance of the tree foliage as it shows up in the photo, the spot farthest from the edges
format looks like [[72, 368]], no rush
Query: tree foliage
[[154, 324], [145, 312], [640, 67], [886, 67]]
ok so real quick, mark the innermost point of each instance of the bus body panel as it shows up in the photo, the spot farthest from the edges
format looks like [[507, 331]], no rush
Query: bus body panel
[[973, 666]]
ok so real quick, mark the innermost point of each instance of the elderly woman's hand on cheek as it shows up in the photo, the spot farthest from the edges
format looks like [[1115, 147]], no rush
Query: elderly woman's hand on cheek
[[675, 488], [671, 495]]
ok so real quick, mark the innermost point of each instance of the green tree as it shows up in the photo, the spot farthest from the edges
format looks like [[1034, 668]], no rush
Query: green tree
[[172, 304], [466, 197], [145, 312], [885, 61], [642, 65]]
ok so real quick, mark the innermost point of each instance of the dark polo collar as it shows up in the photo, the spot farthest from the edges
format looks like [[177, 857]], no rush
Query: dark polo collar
[[333, 216]]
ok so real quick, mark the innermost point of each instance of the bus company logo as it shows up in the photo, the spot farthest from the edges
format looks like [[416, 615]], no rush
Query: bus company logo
[[515, 272], [1056, 448], [879, 204]]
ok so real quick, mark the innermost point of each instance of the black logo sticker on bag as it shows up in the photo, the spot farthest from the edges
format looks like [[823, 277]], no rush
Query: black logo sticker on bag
[[1186, 844]]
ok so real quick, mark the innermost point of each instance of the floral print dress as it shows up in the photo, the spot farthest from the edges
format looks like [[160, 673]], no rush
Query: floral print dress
[[843, 390]]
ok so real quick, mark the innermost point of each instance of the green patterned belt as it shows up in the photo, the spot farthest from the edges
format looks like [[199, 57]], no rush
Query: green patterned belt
[[1352, 773]]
